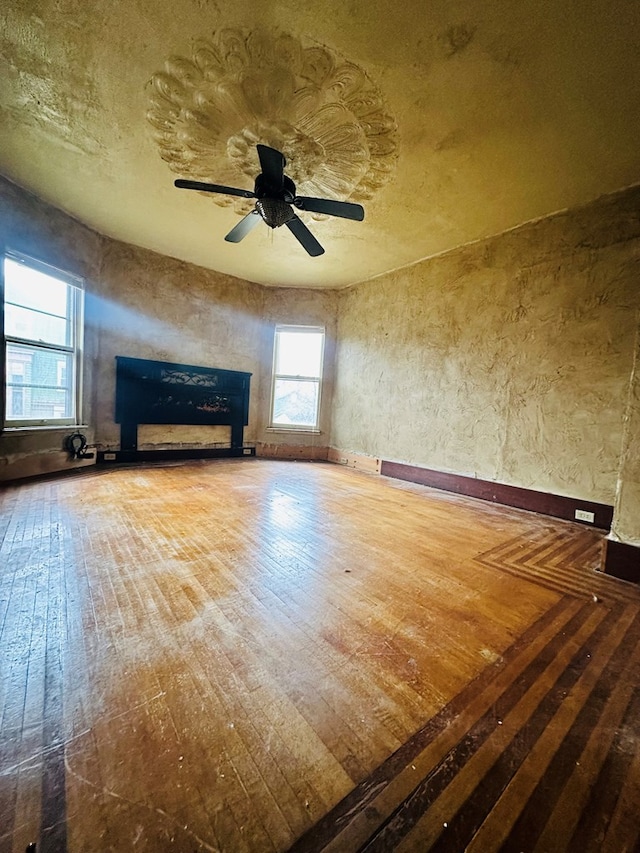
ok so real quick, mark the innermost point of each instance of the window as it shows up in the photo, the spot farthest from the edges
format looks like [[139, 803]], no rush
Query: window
[[42, 330], [297, 371]]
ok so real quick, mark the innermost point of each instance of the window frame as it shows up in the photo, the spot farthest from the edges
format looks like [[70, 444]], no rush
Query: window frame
[[308, 428], [73, 349]]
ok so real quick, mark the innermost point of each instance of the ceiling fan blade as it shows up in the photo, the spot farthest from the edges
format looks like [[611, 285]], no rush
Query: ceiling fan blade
[[272, 163], [212, 188], [345, 209], [304, 236], [246, 224]]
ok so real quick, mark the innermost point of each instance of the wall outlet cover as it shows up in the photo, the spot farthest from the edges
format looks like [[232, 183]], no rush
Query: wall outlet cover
[[585, 515]]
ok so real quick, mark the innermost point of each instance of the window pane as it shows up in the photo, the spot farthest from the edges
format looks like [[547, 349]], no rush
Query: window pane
[[295, 402], [299, 353], [25, 323], [34, 289], [37, 306], [39, 383]]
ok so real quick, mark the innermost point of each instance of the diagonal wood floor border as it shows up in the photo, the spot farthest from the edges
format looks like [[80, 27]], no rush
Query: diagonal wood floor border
[[489, 769], [560, 563]]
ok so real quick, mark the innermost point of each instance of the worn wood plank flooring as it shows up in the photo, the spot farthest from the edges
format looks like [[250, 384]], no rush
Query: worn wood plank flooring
[[253, 655]]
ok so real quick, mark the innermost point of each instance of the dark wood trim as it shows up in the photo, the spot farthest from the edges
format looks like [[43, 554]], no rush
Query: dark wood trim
[[557, 506], [622, 560], [128, 436], [110, 457]]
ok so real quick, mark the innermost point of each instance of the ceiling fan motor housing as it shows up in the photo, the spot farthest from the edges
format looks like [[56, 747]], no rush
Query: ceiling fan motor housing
[[274, 199], [274, 211]]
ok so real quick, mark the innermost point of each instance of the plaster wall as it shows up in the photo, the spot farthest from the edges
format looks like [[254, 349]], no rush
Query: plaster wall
[[142, 304], [32, 228], [508, 359], [147, 305], [626, 525]]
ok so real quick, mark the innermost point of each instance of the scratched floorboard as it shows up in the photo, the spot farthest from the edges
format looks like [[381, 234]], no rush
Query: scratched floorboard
[[246, 655]]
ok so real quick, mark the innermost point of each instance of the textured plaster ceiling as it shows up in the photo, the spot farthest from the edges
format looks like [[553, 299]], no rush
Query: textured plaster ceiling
[[449, 121]]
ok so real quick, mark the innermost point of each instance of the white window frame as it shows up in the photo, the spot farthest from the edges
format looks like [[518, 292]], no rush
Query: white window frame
[[74, 348], [278, 427]]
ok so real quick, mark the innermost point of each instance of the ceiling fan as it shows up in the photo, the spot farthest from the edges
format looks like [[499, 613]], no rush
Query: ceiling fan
[[276, 199]]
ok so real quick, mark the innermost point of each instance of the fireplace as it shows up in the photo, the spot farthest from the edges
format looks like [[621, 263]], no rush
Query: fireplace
[[162, 392]]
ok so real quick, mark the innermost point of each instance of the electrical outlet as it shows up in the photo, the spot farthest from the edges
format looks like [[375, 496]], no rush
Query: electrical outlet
[[585, 515], [246, 451], [109, 457]]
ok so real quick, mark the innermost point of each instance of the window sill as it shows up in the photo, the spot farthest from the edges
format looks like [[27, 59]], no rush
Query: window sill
[[296, 430], [45, 428]]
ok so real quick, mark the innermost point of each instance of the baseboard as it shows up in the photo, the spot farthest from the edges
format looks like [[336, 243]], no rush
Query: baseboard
[[354, 460], [622, 560], [109, 457], [28, 466], [305, 452], [557, 506]]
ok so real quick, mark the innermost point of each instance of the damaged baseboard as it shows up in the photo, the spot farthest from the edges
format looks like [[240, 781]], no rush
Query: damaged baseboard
[[41, 464], [359, 461], [304, 452]]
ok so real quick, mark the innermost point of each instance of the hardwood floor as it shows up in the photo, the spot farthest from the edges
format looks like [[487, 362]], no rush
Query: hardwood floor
[[253, 655]]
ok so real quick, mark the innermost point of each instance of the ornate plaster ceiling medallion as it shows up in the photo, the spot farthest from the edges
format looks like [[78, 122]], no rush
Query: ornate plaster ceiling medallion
[[328, 118]]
